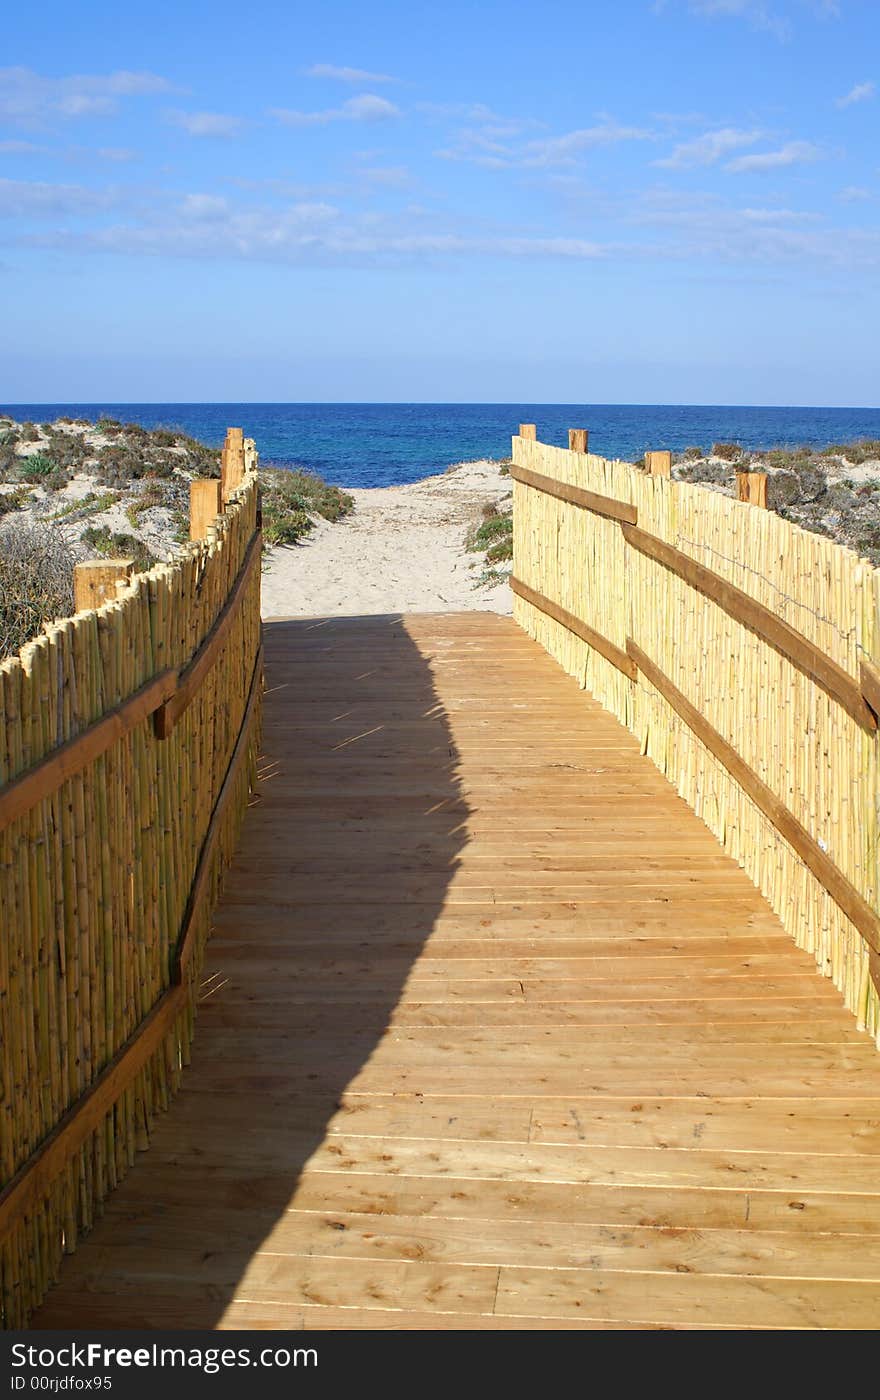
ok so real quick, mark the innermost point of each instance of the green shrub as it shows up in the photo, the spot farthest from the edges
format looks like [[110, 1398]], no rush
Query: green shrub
[[692, 454], [117, 545], [292, 499], [727, 451]]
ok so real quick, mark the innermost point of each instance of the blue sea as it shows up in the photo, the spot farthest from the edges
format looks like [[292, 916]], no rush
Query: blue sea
[[375, 444]]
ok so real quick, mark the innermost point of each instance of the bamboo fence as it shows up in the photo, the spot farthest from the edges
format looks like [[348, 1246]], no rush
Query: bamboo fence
[[128, 744], [781, 692]]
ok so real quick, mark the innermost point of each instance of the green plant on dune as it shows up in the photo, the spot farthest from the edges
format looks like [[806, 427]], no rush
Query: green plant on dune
[[293, 499]]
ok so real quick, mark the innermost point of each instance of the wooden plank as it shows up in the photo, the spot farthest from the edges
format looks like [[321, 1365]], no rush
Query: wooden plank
[[454, 1021], [576, 495], [193, 675], [616, 655], [39, 782], [578, 440], [95, 582], [809, 659], [845, 895], [205, 504], [659, 463], [528, 431], [870, 682], [752, 488]]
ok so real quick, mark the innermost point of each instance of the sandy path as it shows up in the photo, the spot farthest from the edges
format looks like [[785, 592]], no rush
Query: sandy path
[[401, 550]]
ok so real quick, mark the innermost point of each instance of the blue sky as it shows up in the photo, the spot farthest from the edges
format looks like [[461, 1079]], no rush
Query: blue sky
[[650, 201]]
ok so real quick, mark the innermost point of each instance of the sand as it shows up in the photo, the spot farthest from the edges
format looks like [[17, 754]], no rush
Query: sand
[[401, 550]]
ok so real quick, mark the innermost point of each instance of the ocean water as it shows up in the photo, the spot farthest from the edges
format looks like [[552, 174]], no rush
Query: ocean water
[[387, 444]]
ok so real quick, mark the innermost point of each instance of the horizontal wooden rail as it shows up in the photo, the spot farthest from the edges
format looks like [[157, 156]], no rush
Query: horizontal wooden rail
[[803, 654], [576, 495], [616, 655], [832, 880], [24, 1192], [193, 675], [184, 952], [77, 753], [870, 679], [168, 689]]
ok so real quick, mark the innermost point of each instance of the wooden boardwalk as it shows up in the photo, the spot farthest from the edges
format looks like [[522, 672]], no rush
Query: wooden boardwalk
[[493, 1035]]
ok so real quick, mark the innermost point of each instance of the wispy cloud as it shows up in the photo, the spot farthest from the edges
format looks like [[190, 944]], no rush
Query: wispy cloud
[[211, 124], [862, 92], [346, 75], [37, 199], [365, 108], [793, 153], [29, 99], [488, 146], [756, 13], [855, 194], [390, 176], [709, 148]]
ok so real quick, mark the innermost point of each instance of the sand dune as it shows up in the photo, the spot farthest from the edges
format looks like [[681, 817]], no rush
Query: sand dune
[[401, 550]]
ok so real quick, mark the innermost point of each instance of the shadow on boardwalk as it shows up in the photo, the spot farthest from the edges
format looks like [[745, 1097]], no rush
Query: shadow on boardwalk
[[343, 867]]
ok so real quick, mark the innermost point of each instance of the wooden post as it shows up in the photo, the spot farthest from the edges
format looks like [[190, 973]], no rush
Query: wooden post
[[578, 439], [528, 430], [232, 462], [205, 504], [752, 487], [659, 463], [251, 456], [95, 581]]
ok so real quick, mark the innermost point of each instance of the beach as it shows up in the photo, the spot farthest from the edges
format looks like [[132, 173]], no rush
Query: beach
[[402, 549]]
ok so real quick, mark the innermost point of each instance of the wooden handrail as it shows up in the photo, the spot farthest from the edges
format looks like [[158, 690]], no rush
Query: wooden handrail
[[23, 1193], [168, 689], [192, 676], [832, 880], [72, 757], [616, 655], [576, 495], [805, 655]]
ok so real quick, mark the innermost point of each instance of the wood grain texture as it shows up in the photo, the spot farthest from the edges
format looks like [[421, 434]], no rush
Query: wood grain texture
[[847, 898], [616, 655], [576, 495], [809, 659], [439, 1082]]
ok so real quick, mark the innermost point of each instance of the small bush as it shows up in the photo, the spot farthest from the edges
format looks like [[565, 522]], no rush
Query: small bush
[[692, 454], [727, 451], [36, 581], [292, 499], [30, 432], [117, 545], [36, 469]]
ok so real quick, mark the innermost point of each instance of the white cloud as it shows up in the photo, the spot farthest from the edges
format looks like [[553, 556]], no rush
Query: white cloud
[[27, 98], [24, 198], [481, 146], [211, 124], [346, 75], [793, 153], [392, 176], [709, 148], [862, 92], [855, 194], [21, 148], [365, 108]]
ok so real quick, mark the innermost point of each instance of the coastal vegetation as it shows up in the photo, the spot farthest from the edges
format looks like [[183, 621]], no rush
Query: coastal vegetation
[[74, 489]]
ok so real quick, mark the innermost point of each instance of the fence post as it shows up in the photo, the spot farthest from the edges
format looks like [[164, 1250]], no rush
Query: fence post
[[95, 581], [578, 439], [752, 487], [659, 463], [251, 456], [528, 430], [232, 461], [205, 504]]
